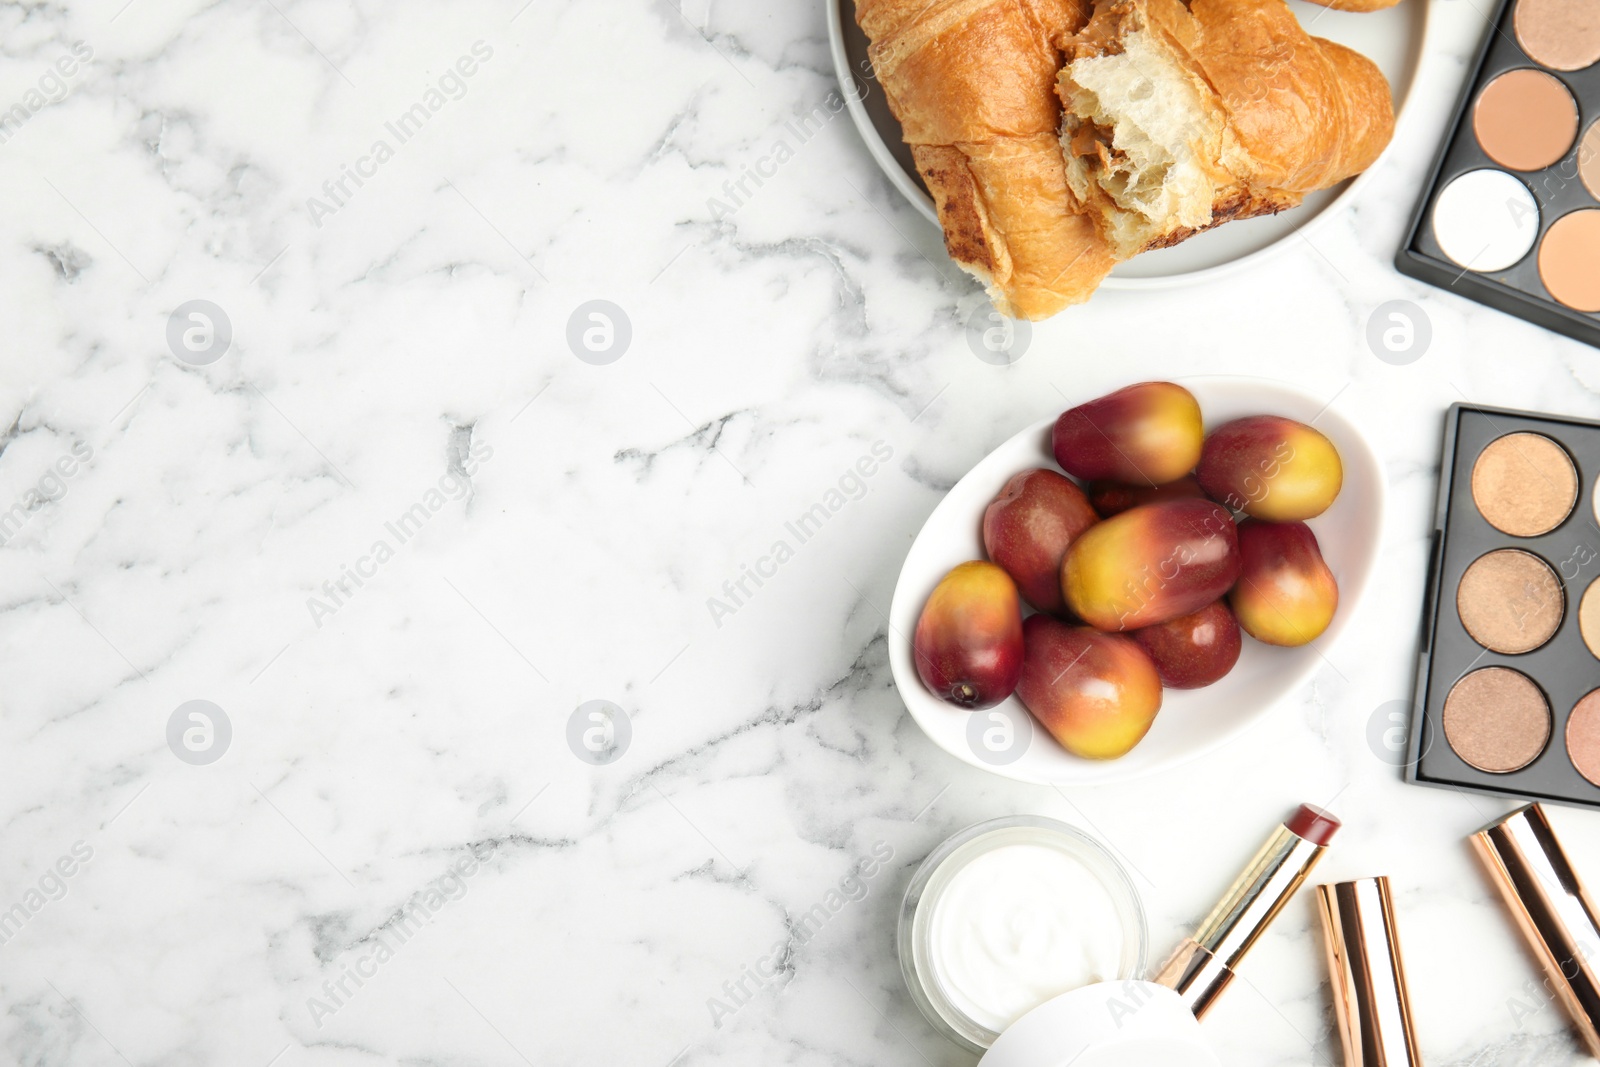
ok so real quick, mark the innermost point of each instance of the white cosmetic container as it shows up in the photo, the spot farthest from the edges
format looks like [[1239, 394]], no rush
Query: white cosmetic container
[[1026, 934]]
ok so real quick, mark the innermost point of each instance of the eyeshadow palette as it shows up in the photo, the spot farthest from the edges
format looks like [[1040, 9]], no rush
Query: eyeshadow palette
[[1511, 217], [1508, 684]]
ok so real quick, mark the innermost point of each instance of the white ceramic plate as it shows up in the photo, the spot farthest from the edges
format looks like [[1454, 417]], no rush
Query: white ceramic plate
[[1393, 38], [1191, 722]]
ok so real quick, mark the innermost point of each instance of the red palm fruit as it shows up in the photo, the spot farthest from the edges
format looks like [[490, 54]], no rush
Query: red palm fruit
[[1145, 434], [1027, 530], [1096, 693], [1113, 498], [1271, 468], [1150, 564], [968, 641], [1286, 594], [1193, 650]]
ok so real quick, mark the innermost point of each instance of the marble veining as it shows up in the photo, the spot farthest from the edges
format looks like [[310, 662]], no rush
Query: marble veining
[[415, 845]]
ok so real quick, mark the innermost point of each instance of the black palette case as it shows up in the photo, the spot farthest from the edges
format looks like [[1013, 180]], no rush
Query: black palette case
[[1558, 190], [1563, 668]]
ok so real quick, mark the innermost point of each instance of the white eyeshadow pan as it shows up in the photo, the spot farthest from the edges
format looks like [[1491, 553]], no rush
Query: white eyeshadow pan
[[1485, 220]]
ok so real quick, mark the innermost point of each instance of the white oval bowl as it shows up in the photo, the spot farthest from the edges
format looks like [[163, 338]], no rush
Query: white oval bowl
[[1191, 722]]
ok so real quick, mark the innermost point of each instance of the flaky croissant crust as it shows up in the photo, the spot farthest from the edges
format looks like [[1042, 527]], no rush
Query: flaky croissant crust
[[974, 84]]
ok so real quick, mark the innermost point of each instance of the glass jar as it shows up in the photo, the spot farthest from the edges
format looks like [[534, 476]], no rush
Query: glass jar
[[917, 929]]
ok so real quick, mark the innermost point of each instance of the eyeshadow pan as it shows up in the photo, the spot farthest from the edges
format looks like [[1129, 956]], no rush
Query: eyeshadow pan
[[1559, 34], [1524, 484], [1525, 119], [1569, 260], [1589, 160], [1485, 220], [1510, 601], [1589, 617], [1583, 737], [1496, 720]]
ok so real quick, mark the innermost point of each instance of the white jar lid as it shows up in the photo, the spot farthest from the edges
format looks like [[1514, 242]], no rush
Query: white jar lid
[[1109, 1024]]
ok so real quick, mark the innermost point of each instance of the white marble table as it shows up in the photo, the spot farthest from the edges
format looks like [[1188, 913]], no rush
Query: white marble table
[[398, 532]]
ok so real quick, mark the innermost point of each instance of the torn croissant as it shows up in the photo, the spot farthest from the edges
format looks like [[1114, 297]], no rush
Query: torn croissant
[[1058, 139], [1177, 118], [973, 85]]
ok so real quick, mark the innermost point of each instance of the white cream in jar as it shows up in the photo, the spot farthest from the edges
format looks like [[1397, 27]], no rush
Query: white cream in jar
[[1018, 925], [1009, 914]]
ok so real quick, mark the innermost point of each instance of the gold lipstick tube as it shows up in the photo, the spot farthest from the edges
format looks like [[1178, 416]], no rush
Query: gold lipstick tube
[[1552, 909], [1202, 966], [1370, 1000]]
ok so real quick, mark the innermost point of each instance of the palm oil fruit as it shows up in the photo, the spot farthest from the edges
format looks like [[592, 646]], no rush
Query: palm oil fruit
[[968, 641], [1193, 650], [1286, 594], [1027, 529], [1271, 468], [1145, 434], [1096, 693], [1150, 564], [1113, 498]]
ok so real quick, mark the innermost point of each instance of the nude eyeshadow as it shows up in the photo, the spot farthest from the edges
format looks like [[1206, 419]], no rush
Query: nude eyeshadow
[[1510, 601], [1496, 720], [1524, 484], [1559, 34], [1569, 260], [1508, 672], [1589, 617], [1589, 159], [1583, 737], [1525, 119], [1511, 213]]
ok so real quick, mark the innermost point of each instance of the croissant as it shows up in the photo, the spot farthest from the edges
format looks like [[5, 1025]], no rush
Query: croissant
[[1059, 137], [1179, 117], [973, 85]]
